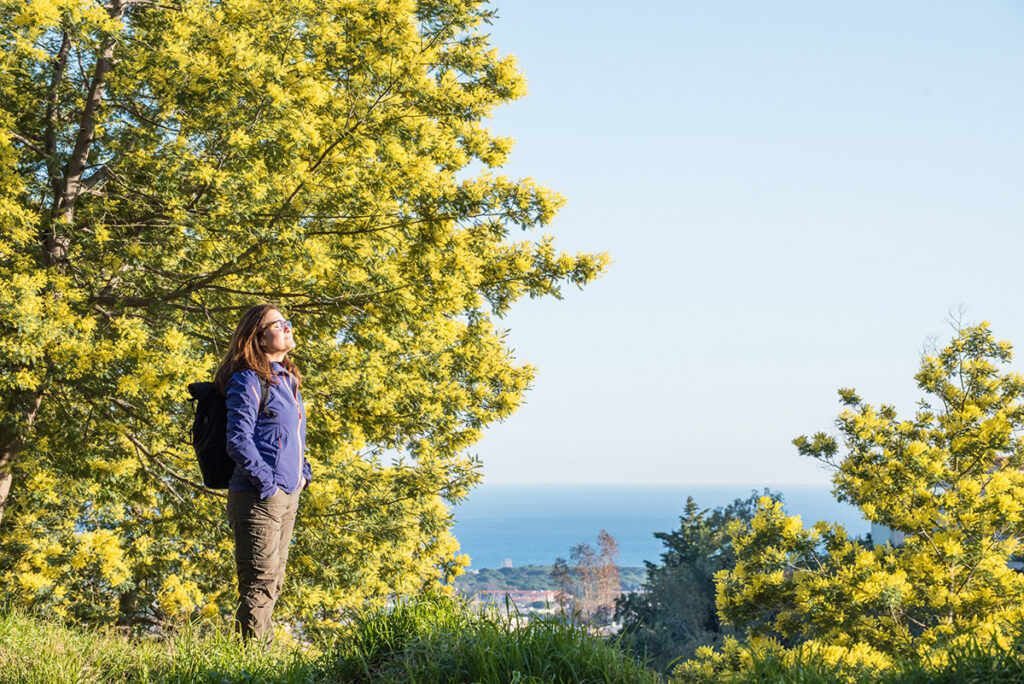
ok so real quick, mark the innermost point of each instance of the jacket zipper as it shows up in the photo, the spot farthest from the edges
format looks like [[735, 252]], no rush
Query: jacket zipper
[[294, 393]]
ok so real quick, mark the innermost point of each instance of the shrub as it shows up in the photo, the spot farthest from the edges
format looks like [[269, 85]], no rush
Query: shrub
[[439, 639]]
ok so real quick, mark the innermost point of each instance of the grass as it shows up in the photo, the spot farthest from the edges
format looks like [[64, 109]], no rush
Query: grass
[[428, 641], [425, 640], [33, 651]]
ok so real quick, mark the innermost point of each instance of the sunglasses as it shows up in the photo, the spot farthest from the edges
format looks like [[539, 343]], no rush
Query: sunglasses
[[279, 324]]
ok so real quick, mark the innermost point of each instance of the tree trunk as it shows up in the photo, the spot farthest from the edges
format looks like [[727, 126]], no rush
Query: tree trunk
[[72, 185], [66, 191], [126, 603], [6, 476], [12, 442]]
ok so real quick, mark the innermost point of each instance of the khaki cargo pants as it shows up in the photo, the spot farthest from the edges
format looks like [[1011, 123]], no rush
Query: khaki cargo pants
[[263, 530]]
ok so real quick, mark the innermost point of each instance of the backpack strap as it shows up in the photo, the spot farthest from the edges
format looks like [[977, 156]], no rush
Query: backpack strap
[[265, 394]]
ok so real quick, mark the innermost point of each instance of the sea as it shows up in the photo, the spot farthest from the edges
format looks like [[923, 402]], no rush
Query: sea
[[503, 525]]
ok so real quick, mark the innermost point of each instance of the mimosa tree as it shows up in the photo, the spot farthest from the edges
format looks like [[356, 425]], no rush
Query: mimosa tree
[[949, 477], [165, 165]]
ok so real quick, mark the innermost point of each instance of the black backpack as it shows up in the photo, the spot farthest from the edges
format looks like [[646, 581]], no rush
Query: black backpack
[[209, 432]]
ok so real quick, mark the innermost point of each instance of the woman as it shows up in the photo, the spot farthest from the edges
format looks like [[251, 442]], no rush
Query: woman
[[266, 437]]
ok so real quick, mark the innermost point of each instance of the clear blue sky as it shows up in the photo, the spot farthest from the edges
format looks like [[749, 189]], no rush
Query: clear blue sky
[[794, 195]]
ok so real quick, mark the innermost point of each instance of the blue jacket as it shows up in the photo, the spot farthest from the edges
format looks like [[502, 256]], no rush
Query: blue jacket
[[268, 447]]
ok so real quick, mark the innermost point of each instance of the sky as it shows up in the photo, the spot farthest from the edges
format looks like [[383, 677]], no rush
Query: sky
[[796, 197]]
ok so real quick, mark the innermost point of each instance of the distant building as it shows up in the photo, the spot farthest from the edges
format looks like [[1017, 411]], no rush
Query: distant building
[[524, 600], [523, 595]]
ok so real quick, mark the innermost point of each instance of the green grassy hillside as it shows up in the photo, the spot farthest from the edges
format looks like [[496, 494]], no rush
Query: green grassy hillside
[[433, 640], [429, 640]]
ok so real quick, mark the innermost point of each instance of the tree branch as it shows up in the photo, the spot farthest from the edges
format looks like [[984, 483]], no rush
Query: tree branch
[[29, 144], [87, 127], [59, 62], [170, 471]]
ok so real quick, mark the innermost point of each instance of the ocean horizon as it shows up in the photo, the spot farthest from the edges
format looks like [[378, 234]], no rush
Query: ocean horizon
[[533, 524]]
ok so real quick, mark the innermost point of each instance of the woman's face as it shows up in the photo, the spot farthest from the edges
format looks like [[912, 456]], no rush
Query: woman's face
[[276, 338]]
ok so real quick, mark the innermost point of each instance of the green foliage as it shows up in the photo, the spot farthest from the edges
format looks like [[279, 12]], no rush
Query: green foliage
[[768, 661], [675, 614], [439, 640], [975, 660], [38, 651], [949, 478], [427, 640], [163, 166]]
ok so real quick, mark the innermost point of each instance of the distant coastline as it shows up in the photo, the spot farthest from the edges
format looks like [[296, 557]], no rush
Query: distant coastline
[[532, 578], [533, 524]]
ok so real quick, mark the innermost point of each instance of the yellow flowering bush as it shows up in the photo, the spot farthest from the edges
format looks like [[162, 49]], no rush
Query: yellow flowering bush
[[165, 166], [857, 662], [949, 478]]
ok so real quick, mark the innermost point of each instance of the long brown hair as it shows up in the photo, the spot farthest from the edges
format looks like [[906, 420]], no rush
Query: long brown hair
[[244, 352]]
